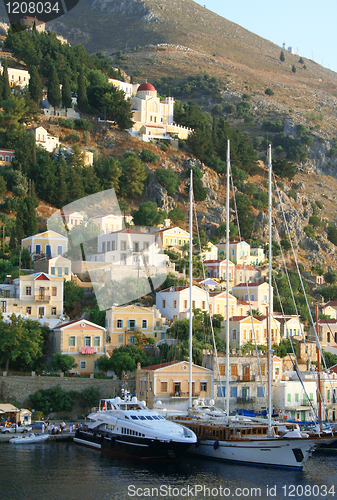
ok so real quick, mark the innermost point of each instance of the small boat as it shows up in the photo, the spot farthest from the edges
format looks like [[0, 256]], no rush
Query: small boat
[[30, 439], [127, 427]]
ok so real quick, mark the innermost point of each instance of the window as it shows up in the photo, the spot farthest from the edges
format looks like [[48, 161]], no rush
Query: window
[[52, 271], [260, 392], [83, 365], [59, 272], [234, 370], [41, 312], [107, 246], [164, 304], [146, 245], [120, 339], [123, 245], [296, 398], [175, 304], [53, 311], [28, 290], [119, 323], [97, 341], [136, 247], [203, 305], [263, 370], [288, 398], [234, 391], [193, 304], [72, 340], [59, 249], [185, 304], [48, 251], [163, 386], [66, 271], [54, 291], [222, 369], [112, 245], [221, 391], [203, 386], [28, 310], [234, 334], [132, 323], [103, 246], [87, 341], [144, 323], [37, 248]]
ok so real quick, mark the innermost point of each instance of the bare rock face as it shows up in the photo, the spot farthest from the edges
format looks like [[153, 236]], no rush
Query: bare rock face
[[154, 191]]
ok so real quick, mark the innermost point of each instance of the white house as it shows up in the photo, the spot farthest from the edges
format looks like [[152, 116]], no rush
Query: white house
[[108, 223], [46, 140], [255, 293], [293, 396]]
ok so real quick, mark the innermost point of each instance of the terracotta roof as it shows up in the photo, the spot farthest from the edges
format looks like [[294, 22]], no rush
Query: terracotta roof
[[146, 86], [240, 266], [327, 321], [331, 303], [174, 289], [249, 284], [160, 365]]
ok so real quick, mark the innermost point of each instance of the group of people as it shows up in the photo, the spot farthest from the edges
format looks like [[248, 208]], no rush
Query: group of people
[[62, 427]]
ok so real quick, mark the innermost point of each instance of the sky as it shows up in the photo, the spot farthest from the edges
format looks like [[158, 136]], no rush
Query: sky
[[308, 26]]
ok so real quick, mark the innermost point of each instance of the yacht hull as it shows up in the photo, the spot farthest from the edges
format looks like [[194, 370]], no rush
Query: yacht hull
[[289, 453], [131, 446]]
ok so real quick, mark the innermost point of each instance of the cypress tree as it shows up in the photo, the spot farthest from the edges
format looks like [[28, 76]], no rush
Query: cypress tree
[[53, 88], [6, 89], [82, 99], [66, 93], [35, 85], [32, 225]]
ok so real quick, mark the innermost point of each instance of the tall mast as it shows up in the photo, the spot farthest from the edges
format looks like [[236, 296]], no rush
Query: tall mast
[[270, 370], [227, 280], [191, 280]]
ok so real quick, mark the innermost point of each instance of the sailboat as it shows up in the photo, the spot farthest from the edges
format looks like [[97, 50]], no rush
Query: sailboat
[[249, 441]]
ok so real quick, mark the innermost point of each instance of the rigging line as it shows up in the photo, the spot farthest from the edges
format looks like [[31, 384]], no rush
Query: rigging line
[[207, 298], [295, 357], [304, 293], [249, 300]]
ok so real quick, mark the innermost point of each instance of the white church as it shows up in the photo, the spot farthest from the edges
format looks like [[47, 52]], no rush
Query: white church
[[153, 118]]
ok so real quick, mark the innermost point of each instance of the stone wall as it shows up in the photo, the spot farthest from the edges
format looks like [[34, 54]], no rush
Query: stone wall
[[20, 387]]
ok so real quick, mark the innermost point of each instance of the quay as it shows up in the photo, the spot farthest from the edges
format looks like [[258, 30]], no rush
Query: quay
[[65, 436]]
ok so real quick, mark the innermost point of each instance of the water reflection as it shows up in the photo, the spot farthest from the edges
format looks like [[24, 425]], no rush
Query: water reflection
[[62, 471]]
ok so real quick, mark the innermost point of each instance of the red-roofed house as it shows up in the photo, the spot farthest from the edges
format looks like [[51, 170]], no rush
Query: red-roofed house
[[6, 156], [255, 293], [171, 380], [330, 309], [81, 339], [244, 329]]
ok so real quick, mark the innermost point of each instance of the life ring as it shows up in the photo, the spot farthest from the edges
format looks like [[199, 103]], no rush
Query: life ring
[[216, 444]]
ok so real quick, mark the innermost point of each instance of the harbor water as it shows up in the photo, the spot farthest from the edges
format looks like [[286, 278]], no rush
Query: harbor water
[[67, 471]]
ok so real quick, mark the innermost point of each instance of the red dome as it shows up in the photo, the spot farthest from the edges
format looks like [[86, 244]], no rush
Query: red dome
[[146, 86]]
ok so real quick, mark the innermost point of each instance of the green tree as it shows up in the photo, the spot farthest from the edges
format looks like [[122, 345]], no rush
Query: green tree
[[3, 185], [108, 171], [293, 68], [133, 177], [282, 56], [66, 93], [20, 338], [176, 215], [6, 89], [63, 362], [35, 85], [330, 277], [169, 179], [122, 361], [269, 91], [72, 295], [149, 156], [90, 397], [148, 215], [332, 234], [82, 99], [53, 88], [199, 192], [55, 399]]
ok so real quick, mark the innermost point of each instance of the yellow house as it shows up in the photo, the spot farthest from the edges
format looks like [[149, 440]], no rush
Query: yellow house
[[38, 296], [171, 380], [210, 252], [48, 244], [81, 339], [244, 329], [122, 323], [239, 251], [172, 237]]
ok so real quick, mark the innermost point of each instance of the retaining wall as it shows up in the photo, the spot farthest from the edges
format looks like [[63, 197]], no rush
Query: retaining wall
[[21, 387]]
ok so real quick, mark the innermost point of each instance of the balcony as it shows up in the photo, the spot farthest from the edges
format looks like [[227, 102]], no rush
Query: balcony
[[87, 350], [42, 298]]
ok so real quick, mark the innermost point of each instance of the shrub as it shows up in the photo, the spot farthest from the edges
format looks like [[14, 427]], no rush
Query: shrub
[[243, 109], [292, 194], [82, 124], [72, 137], [149, 156], [332, 234], [269, 91], [272, 125], [66, 123], [247, 97], [319, 205], [230, 109], [309, 231], [169, 179], [315, 221]]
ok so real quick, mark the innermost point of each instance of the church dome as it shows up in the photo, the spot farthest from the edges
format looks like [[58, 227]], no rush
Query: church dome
[[146, 86]]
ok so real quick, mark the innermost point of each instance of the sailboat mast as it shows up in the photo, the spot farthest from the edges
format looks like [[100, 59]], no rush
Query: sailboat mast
[[270, 370], [227, 280], [191, 280]]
